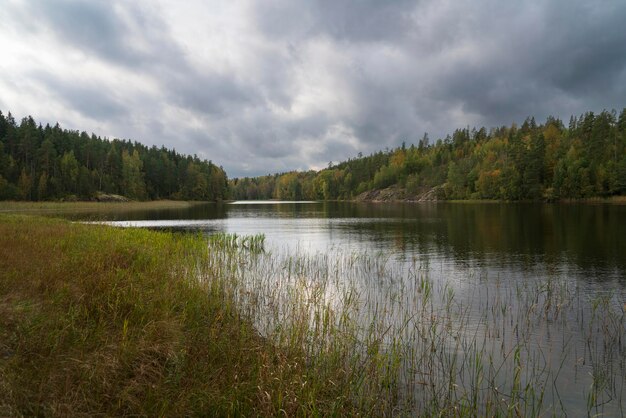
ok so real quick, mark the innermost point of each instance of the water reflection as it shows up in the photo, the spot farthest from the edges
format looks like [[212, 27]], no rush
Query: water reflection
[[583, 240]]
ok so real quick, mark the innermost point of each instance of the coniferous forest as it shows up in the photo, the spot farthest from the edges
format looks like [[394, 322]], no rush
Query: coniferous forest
[[585, 158], [51, 163]]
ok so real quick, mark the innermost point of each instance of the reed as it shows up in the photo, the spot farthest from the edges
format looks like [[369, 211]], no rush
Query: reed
[[408, 345], [96, 320], [230, 242]]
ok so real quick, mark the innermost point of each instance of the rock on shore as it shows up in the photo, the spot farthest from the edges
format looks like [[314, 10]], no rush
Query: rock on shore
[[106, 197], [396, 193]]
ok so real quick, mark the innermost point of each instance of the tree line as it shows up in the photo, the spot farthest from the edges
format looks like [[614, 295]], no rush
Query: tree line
[[51, 163], [586, 158]]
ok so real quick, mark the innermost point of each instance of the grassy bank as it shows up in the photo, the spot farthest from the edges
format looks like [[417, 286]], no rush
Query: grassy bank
[[69, 207], [97, 320]]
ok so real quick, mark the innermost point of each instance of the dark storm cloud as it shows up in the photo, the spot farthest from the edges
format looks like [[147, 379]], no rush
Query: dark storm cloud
[[540, 63], [589, 48]]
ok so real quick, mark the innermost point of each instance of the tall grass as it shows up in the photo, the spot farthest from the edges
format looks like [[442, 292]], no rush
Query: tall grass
[[404, 344], [230, 242], [102, 321]]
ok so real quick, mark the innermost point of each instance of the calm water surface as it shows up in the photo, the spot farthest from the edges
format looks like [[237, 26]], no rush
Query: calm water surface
[[586, 242], [482, 252]]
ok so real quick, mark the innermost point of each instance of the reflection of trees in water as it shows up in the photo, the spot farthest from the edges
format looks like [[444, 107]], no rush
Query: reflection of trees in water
[[523, 234], [528, 236]]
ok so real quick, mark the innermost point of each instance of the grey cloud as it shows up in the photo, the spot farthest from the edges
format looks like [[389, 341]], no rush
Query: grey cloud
[[210, 93], [485, 63], [350, 21], [88, 99], [588, 53], [105, 29], [535, 61], [386, 116], [369, 20], [92, 26], [331, 149]]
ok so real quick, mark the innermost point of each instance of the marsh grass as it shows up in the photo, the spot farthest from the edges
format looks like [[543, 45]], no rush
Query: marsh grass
[[229, 242], [407, 345], [102, 321]]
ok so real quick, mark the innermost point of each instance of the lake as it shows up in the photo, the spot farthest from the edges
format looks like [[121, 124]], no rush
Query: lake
[[535, 292], [578, 241]]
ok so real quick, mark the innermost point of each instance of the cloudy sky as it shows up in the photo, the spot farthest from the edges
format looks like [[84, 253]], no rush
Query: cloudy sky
[[261, 86]]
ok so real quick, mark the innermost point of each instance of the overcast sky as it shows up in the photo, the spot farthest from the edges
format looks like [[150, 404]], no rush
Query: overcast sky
[[273, 85]]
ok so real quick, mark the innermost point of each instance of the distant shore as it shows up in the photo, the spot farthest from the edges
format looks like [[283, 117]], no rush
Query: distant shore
[[77, 206]]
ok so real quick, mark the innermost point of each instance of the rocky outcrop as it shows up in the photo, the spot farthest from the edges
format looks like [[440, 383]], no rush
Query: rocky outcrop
[[390, 194], [396, 193], [432, 195], [106, 197]]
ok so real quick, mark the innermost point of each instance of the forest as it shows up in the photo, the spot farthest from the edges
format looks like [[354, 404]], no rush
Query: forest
[[51, 163], [549, 161]]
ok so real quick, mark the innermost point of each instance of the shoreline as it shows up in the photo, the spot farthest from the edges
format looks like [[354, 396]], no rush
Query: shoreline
[[109, 321], [34, 207]]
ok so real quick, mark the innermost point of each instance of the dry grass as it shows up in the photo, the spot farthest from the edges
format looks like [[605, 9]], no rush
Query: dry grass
[[78, 207], [102, 321]]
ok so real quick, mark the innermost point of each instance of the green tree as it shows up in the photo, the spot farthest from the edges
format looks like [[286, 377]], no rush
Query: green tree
[[47, 156], [488, 184], [8, 191], [620, 181], [112, 180], [456, 185], [42, 186], [25, 185], [133, 185], [85, 184], [532, 178], [196, 183], [288, 187], [29, 141], [218, 182], [69, 172], [510, 181], [386, 176]]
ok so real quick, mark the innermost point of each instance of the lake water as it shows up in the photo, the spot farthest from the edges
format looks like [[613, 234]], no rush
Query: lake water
[[586, 242], [557, 269]]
